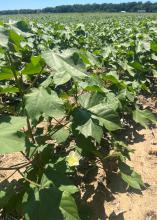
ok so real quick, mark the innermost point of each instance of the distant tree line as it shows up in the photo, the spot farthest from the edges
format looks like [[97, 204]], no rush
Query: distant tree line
[[112, 7]]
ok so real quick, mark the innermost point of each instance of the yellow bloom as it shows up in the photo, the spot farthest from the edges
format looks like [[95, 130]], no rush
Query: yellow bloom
[[73, 159]]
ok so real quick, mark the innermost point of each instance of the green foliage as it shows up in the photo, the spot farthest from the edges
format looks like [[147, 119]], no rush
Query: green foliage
[[6, 73], [40, 101], [12, 137], [91, 129], [66, 93], [61, 135], [34, 67], [132, 178], [144, 117], [64, 71], [3, 37], [68, 207], [40, 202]]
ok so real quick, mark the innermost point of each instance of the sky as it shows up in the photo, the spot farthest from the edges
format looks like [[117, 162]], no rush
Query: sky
[[37, 4]]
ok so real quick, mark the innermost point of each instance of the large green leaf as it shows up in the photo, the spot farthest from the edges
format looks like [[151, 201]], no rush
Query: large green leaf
[[34, 67], [64, 71], [109, 119], [144, 117], [68, 207], [42, 102], [97, 111], [129, 176], [39, 204], [91, 129], [6, 73], [103, 109], [132, 181], [61, 135], [15, 39], [56, 173], [4, 198], [87, 57], [11, 138]]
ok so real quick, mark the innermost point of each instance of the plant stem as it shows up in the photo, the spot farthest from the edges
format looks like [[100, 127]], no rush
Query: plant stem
[[28, 180], [12, 66], [16, 168]]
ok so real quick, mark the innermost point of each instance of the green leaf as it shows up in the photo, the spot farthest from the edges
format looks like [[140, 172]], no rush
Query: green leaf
[[103, 109], [68, 207], [61, 135], [126, 67], [84, 145], [136, 65], [3, 37], [142, 46], [123, 149], [112, 76], [87, 58], [42, 102], [154, 57], [129, 176], [6, 194], [126, 95], [93, 84], [56, 173], [91, 129], [64, 71], [8, 89], [11, 138], [71, 189], [6, 73], [89, 100], [109, 120], [35, 67], [154, 73], [39, 204], [16, 40], [144, 117], [23, 26], [4, 198], [131, 181], [154, 46]]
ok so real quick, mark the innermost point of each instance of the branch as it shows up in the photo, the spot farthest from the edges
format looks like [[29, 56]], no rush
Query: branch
[[16, 167]]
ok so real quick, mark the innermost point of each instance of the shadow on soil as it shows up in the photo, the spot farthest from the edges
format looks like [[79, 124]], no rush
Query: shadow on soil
[[96, 198], [105, 189]]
